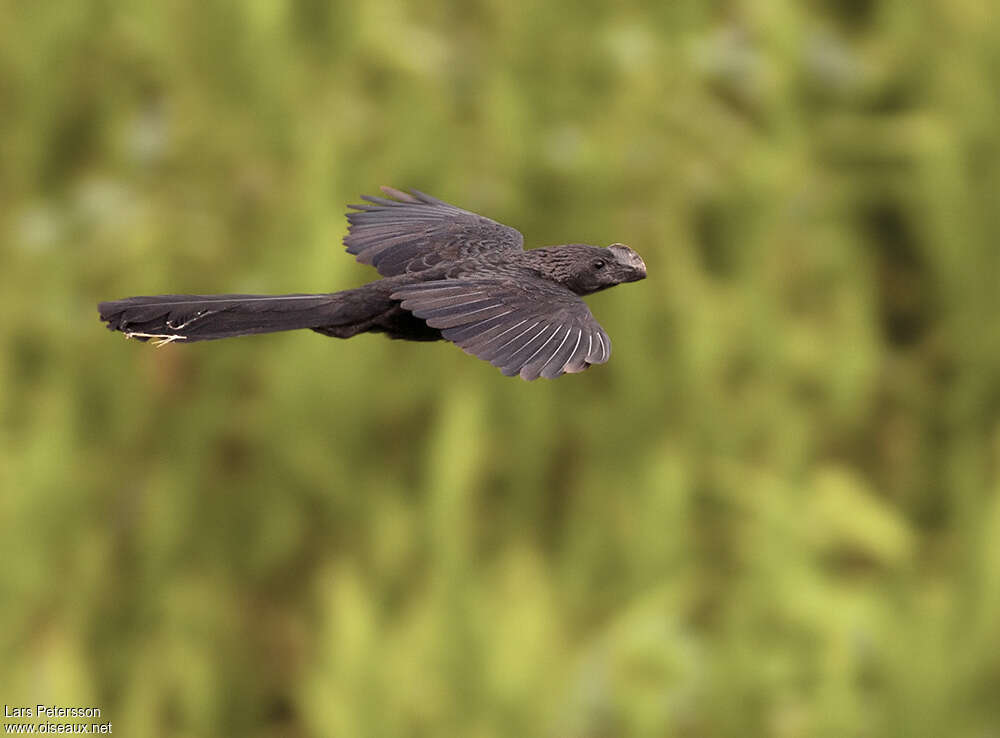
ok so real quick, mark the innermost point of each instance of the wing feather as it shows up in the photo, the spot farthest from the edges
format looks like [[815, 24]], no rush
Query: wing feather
[[532, 367], [524, 349], [411, 232], [554, 362], [530, 327]]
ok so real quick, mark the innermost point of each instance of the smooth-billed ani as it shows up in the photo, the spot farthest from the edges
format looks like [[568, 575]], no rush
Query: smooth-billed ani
[[447, 274]]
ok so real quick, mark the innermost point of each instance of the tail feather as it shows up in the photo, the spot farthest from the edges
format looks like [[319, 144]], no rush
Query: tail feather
[[186, 318]]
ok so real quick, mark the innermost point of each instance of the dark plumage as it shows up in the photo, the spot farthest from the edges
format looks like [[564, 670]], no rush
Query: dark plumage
[[447, 273]]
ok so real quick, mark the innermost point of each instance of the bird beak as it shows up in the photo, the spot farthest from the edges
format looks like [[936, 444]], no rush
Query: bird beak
[[629, 258]]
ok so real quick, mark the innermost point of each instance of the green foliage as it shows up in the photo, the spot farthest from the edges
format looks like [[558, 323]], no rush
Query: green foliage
[[776, 511]]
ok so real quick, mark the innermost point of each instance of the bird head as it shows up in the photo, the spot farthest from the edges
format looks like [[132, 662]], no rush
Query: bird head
[[594, 269]]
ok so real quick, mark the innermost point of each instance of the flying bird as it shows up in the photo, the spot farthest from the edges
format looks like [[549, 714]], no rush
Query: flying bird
[[447, 273]]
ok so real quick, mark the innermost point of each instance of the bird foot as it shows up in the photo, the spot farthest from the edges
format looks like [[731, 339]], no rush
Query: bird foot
[[162, 339]]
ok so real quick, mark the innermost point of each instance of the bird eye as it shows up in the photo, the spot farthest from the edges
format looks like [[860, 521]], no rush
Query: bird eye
[[599, 264]]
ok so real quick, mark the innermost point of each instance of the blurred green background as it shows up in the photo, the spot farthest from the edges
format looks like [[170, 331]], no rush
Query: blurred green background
[[775, 512]]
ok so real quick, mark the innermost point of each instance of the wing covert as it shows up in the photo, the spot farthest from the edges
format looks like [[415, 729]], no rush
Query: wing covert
[[411, 232]]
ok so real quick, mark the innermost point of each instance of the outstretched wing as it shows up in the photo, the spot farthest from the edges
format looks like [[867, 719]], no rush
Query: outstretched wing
[[532, 327], [414, 231]]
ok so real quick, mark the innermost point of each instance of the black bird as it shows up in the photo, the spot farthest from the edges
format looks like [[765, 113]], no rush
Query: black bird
[[447, 273]]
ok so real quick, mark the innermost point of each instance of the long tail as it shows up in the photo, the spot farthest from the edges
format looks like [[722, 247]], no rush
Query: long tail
[[185, 318]]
